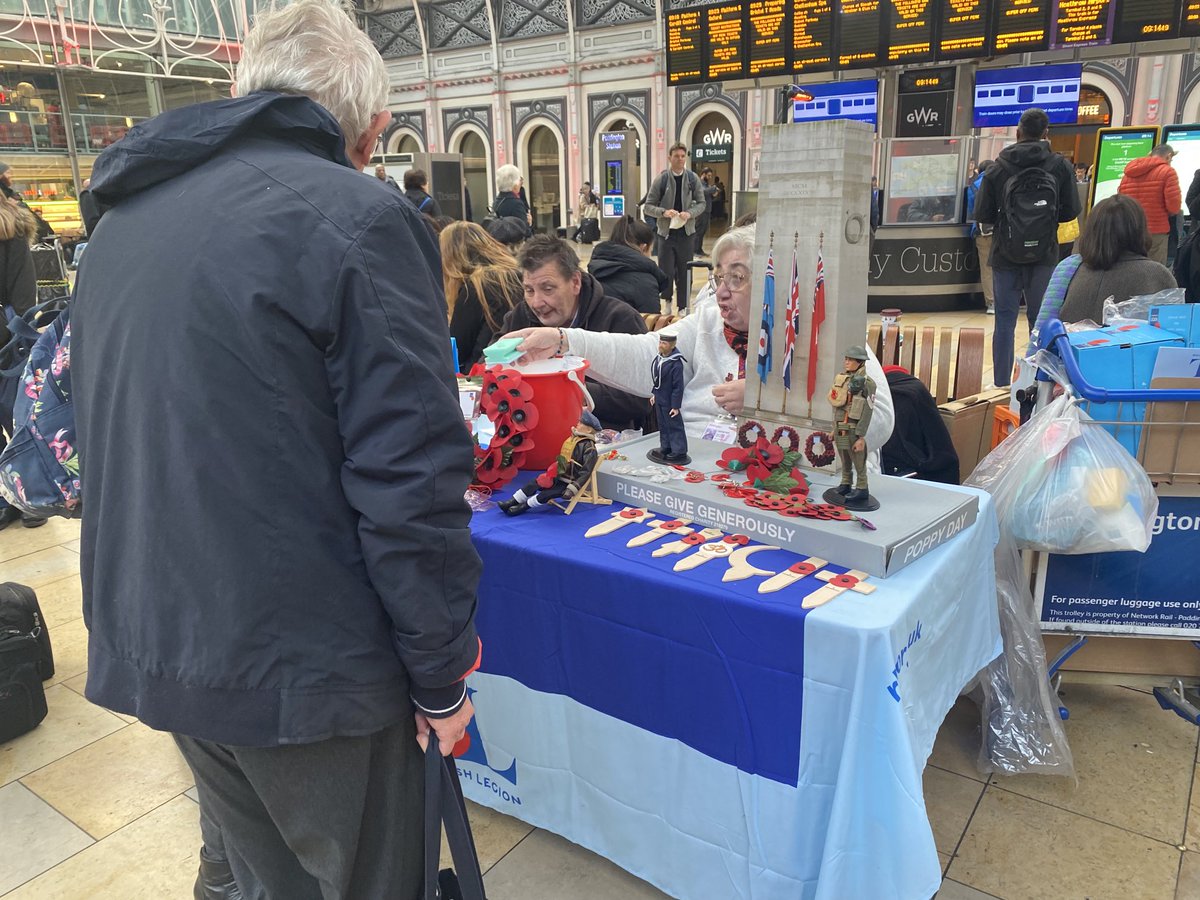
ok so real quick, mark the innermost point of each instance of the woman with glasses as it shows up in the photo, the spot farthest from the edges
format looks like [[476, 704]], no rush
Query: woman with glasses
[[713, 341]]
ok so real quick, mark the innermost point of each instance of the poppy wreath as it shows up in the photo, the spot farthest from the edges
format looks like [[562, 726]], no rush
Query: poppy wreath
[[507, 401], [764, 464], [822, 457], [788, 433]]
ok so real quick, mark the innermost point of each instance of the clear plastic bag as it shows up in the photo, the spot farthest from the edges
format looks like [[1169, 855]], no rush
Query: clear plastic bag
[[1136, 310], [1065, 485]]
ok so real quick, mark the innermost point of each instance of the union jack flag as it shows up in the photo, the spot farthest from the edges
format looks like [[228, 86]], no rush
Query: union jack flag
[[793, 323]]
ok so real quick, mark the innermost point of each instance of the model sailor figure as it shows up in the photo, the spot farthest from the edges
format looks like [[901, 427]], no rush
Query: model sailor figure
[[667, 380]]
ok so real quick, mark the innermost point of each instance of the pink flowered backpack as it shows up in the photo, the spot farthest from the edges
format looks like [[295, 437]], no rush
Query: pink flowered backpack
[[39, 469]]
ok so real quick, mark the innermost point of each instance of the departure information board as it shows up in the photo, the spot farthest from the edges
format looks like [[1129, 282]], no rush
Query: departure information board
[[812, 36], [737, 39], [860, 32], [964, 28], [1145, 20], [1021, 26], [768, 34], [910, 31]]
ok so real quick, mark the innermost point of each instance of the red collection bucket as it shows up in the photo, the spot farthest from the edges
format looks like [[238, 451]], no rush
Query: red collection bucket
[[559, 395]]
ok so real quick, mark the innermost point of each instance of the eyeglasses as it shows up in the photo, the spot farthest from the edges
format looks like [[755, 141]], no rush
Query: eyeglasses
[[735, 281]]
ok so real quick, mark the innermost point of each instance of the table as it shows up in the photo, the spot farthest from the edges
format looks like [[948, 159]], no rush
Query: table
[[713, 741]]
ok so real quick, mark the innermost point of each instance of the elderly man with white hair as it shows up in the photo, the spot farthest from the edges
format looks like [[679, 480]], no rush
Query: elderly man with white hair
[[276, 561], [713, 341]]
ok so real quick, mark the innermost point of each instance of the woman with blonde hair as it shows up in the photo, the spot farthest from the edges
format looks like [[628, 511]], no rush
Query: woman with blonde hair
[[482, 283]]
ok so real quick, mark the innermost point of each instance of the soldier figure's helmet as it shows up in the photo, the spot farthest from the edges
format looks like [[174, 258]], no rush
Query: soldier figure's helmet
[[856, 352]]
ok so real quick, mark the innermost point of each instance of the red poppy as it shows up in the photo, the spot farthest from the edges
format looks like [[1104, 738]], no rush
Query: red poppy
[[734, 459], [770, 454], [546, 479]]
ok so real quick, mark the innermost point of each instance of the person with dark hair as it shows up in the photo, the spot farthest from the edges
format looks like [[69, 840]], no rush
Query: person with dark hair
[[415, 184], [1081, 173], [920, 441], [1112, 262], [710, 190], [559, 295], [676, 200], [1153, 182], [1192, 200], [1025, 239], [624, 266], [508, 230], [482, 284]]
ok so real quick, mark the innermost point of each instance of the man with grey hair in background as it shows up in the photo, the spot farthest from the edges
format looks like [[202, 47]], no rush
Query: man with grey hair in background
[[276, 561]]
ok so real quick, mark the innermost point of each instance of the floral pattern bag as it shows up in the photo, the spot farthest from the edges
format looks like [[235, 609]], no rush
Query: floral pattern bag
[[39, 469]]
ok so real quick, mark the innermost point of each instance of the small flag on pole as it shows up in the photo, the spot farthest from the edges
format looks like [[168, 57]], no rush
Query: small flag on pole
[[818, 316], [768, 319], [793, 322]]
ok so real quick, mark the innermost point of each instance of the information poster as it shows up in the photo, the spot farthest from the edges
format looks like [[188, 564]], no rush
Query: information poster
[[767, 36], [964, 29], [812, 36], [1185, 141], [1082, 23], [1143, 20], [724, 27], [910, 30], [1022, 26], [861, 30], [1115, 149], [685, 34], [1151, 593]]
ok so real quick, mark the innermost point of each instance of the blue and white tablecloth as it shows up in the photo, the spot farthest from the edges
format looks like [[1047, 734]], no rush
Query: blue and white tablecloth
[[717, 742]]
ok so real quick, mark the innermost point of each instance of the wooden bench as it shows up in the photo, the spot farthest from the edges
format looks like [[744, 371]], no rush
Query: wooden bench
[[957, 374]]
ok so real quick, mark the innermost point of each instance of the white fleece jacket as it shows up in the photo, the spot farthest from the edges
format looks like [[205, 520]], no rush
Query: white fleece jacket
[[623, 361]]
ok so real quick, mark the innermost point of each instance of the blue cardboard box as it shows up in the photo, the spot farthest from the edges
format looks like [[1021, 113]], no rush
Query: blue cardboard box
[[1178, 318], [1121, 358]]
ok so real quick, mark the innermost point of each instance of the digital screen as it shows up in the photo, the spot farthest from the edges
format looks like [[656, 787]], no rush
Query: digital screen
[[1143, 20], [767, 36], [1114, 151], [614, 176], [614, 207], [1185, 141], [859, 23], [964, 29], [1082, 23], [856, 100], [1190, 26], [685, 33], [924, 81], [1001, 95], [1021, 26], [910, 30], [724, 26], [812, 35]]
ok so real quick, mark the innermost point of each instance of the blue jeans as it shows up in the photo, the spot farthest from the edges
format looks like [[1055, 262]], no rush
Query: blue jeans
[[1010, 285]]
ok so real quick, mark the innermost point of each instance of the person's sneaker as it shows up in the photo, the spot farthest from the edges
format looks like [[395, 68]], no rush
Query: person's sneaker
[[8, 515], [991, 310], [29, 521]]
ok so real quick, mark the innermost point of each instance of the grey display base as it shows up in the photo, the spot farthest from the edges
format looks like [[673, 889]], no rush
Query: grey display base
[[914, 516]]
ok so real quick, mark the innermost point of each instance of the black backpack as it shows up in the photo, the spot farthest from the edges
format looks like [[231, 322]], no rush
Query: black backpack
[[26, 660], [1027, 224]]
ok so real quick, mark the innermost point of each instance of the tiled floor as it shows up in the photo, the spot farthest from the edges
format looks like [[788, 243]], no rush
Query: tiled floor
[[94, 805]]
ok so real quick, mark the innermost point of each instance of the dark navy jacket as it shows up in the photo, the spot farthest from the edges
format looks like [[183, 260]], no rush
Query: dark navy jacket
[[275, 544]]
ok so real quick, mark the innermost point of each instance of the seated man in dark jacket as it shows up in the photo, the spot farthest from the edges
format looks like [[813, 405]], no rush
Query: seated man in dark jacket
[[920, 442], [276, 560], [559, 295]]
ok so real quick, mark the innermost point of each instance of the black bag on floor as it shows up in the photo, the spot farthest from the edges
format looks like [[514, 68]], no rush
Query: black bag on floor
[[22, 698], [20, 614], [444, 805]]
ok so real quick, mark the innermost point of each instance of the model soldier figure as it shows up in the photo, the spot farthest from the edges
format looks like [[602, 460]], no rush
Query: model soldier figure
[[853, 400], [576, 460], [667, 374]]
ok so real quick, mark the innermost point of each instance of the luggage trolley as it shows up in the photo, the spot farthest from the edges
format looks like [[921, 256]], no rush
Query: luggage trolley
[[1155, 423]]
